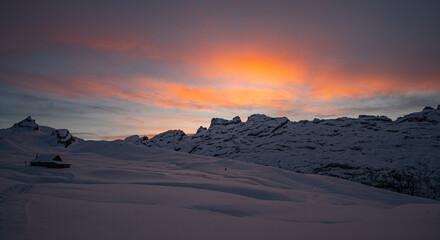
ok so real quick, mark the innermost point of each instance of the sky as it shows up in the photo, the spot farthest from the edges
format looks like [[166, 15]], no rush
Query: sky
[[110, 69]]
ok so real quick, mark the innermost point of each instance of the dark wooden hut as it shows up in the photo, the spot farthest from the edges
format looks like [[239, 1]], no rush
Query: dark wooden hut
[[50, 161]]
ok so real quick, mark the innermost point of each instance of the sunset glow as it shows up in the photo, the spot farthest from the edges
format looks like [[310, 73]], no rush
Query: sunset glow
[[177, 62]]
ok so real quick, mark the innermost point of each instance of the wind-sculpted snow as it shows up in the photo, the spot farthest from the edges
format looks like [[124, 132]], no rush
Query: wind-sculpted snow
[[121, 190], [401, 155]]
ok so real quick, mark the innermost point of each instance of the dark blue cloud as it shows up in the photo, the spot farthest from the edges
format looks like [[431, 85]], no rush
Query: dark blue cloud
[[119, 40]]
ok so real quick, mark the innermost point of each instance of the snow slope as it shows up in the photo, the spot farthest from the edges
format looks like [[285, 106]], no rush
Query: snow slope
[[27, 132], [119, 190], [401, 155]]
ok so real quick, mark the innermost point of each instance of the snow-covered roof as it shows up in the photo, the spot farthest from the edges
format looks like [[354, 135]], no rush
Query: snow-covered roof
[[45, 158]]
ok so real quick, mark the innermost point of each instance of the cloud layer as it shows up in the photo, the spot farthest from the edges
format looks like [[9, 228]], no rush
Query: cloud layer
[[299, 59]]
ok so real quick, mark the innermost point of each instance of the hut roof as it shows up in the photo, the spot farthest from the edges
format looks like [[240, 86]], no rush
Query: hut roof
[[47, 158]]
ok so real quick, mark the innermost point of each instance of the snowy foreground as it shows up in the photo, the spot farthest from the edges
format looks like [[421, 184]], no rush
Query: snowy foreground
[[118, 190]]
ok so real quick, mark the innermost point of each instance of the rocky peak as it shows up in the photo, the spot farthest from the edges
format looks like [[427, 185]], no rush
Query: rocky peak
[[317, 120], [374, 118], [224, 122], [132, 139], [201, 129], [428, 114], [259, 119], [428, 108], [144, 138], [135, 139], [179, 134], [27, 123], [168, 138]]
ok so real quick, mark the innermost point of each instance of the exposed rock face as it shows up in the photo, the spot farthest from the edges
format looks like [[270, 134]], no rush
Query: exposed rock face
[[375, 118], [224, 122], [428, 114], [201, 130], [427, 108], [53, 137], [166, 139], [64, 137], [401, 155], [132, 139], [135, 139], [27, 123]]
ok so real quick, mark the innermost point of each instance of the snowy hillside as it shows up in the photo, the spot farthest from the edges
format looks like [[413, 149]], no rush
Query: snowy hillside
[[401, 155], [27, 132], [119, 190]]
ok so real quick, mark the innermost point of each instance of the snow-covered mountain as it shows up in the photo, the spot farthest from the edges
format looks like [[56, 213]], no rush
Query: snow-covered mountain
[[401, 155], [28, 133], [121, 190]]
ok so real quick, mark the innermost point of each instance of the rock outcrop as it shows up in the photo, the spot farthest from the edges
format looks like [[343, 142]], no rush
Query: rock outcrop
[[29, 130], [401, 155]]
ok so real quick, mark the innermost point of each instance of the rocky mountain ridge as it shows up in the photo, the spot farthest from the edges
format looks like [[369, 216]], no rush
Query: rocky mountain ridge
[[401, 155]]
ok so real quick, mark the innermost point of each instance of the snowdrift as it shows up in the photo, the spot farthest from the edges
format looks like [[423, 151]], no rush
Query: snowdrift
[[121, 190]]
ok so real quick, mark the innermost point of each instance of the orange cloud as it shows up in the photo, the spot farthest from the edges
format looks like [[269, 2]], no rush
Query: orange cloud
[[227, 98], [250, 67], [207, 98], [149, 92], [334, 85], [234, 77], [260, 65], [249, 74], [258, 83]]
